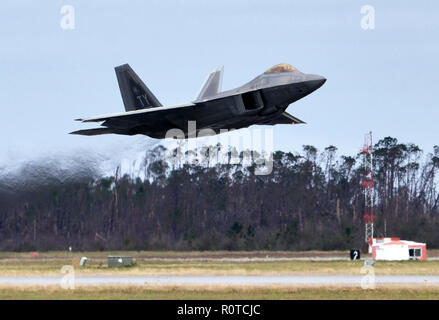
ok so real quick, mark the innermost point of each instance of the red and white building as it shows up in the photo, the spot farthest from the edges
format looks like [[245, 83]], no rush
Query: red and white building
[[395, 249]]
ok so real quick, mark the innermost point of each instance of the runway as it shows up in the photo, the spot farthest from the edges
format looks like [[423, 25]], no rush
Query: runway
[[346, 280]]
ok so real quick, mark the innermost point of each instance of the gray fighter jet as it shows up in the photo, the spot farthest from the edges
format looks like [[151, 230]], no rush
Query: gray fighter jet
[[262, 101]]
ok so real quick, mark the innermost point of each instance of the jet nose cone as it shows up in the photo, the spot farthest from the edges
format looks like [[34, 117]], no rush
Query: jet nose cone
[[314, 81]]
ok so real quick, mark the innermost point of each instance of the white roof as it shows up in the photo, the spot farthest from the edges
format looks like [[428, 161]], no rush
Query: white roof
[[399, 243]]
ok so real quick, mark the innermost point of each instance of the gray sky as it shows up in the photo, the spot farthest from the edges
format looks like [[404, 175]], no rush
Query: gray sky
[[384, 80]]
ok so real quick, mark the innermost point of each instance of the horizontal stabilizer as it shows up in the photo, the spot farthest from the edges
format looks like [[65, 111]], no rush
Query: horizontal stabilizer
[[98, 131]]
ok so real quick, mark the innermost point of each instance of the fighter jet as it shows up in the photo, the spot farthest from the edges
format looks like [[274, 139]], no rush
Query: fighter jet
[[262, 101]]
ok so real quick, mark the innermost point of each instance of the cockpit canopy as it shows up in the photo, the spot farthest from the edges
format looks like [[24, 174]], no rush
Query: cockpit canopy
[[280, 68]]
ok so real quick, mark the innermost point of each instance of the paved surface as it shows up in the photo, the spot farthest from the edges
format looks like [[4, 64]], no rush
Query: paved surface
[[219, 280], [220, 259], [249, 259]]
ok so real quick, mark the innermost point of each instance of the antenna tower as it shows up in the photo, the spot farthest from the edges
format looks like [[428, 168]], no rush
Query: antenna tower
[[367, 185]]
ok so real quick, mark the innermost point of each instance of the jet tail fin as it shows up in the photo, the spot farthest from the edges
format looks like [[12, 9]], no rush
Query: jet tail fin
[[212, 84], [135, 94]]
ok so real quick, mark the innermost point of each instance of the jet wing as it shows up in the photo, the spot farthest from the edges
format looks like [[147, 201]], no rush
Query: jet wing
[[285, 118], [137, 114], [121, 123]]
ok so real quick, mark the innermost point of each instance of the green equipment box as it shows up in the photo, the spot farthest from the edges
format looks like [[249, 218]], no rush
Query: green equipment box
[[114, 262]]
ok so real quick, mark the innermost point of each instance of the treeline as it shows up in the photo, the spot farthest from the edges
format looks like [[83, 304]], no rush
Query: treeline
[[311, 201]]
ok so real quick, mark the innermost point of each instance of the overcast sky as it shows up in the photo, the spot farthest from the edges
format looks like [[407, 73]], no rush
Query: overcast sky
[[384, 80]]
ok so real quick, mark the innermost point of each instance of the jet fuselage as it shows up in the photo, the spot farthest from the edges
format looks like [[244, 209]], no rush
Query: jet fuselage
[[262, 101]]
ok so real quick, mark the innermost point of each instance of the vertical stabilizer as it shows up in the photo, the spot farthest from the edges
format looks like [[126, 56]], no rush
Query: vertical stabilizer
[[135, 94], [212, 84]]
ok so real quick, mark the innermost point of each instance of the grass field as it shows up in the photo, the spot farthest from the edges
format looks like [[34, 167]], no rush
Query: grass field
[[210, 263], [193, 263], [220, 293]]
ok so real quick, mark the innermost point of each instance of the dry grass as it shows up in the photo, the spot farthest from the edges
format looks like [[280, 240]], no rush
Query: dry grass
[[232, 293], [16, 264], [173, 254], [173, 263]]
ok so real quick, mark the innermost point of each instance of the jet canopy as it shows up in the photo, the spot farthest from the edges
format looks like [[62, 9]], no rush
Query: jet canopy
[[280, 68]]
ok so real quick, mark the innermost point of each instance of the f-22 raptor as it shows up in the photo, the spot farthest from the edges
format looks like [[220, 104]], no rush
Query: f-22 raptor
[[262, 101]]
